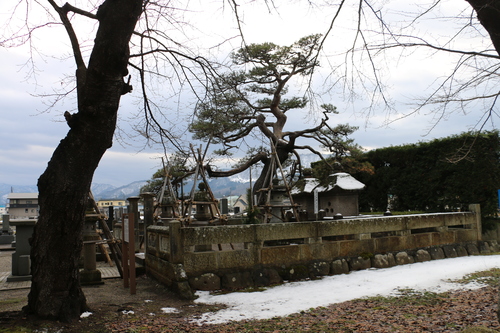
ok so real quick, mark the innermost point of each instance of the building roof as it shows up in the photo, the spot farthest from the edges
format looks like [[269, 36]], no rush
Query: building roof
[[347, 182], [341, 180], [22, 196], [231, 199], [112, 200], [243, 199]]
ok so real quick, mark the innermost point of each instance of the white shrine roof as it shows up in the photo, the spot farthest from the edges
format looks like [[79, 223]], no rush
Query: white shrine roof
[[341, 179]]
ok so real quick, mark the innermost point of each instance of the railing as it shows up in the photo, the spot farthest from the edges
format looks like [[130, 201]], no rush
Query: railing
[[241, 247], [34, 205]]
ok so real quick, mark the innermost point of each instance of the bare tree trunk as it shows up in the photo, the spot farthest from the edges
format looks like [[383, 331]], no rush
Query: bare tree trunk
[[64, 186], [488, 14]]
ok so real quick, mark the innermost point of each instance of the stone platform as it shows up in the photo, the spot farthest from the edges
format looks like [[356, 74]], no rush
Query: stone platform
[[107, 272]]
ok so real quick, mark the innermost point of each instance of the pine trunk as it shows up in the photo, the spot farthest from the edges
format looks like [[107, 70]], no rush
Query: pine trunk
[[65, 184], [264, 180]]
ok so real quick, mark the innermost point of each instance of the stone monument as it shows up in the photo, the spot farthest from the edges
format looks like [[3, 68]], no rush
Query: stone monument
[[21, 261], [7, 235]]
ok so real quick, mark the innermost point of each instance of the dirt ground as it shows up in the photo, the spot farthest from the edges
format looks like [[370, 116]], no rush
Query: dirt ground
[[155, 309], [109, 304]]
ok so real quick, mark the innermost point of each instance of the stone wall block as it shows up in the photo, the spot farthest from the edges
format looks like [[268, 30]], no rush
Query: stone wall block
[[403, 258], [184, 290], [260, 278], [422, 256], [494, 247], [339, 266], [274, 277], [380, 261], [179, 272], [295, 272], [484, 247], [391, 260], [266, 277], [207, 282], [461, 251], [320, 268], [359, 263], [238, 280], [449, 251], [472, 249], [436, 253]]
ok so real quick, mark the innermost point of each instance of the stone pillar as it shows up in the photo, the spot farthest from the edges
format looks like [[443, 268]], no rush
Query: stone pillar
[[6, 236], [111, 217], [176, 244], [21, 262], [148, 215], [117, 226], [195, 224], [476, 209], [133, 208], [224, 206], [90, 275]]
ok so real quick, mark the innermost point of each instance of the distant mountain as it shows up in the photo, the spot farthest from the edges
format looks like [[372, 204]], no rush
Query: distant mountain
[[5, 189], [122, 192], [100, 191], [224, 187], [100, 188], [221, 187]]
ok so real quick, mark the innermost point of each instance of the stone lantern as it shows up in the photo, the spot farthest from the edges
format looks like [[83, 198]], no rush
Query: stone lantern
[[202, 200], [90, 274], [277, 202]]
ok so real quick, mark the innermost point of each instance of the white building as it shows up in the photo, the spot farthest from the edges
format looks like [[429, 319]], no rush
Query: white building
[[22, 205], [241, 204], [340, 196]]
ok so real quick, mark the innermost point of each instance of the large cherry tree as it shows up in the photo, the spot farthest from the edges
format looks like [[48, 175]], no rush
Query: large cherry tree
[[64, 186]]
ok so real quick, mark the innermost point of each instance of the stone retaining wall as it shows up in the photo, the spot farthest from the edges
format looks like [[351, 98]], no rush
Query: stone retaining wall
[[272, 276], [234, 257]]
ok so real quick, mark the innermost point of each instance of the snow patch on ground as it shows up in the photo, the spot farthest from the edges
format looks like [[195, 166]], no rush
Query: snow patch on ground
[[283, 300], [169, 310], [86, 314]]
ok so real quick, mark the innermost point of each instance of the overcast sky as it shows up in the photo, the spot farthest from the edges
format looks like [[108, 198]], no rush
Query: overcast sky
[[29, 133]]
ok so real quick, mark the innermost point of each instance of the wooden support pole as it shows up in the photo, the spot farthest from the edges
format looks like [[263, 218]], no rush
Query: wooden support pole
[[131, 255], [128, 252], [133, 219], [115, 249], [125, 252]]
